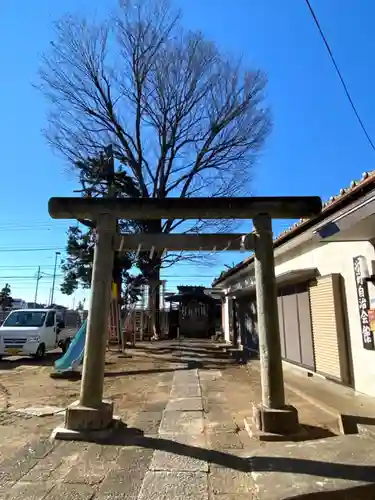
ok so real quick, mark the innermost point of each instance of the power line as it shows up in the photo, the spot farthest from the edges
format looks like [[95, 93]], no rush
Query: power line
[[31, 229], [21, 227], [28, 277], [23, 223], [5, 249], [339, 74], [10, 268]]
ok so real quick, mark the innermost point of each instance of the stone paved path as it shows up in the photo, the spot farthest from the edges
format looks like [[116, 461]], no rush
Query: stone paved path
[[179, 444], [185, 440]]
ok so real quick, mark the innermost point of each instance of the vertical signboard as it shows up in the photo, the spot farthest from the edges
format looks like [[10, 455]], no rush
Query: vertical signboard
[[363, 304]]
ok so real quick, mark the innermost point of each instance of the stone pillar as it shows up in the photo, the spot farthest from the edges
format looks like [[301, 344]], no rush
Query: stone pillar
[[234, 324], [226, 319], [91, 412], [272, 415]]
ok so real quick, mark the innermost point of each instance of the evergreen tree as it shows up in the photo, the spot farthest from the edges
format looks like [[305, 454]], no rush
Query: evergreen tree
[[6, 299]]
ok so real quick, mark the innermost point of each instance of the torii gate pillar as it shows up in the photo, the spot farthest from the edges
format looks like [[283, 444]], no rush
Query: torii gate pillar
[[272, 415], [91, 413]]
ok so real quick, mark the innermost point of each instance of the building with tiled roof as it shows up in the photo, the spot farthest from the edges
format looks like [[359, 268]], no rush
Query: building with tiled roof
[[324, 270]]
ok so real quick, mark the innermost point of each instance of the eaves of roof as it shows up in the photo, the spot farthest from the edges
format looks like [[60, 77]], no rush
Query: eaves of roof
[[356, 190]]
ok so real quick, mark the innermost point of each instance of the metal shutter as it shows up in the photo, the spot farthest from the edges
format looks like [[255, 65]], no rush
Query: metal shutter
[[327, 326], [281, 325]]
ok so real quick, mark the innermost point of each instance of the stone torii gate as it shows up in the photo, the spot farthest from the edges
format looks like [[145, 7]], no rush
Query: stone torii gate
[[92, 414]]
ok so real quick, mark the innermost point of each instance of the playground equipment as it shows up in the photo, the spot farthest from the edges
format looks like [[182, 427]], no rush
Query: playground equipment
[[72, 359], [125, 327], [137, 324], [114, 324]]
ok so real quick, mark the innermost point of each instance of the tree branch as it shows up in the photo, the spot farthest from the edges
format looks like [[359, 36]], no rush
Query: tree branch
[[183, 119]]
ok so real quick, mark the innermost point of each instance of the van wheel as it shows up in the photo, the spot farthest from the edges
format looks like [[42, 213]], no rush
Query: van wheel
[[41, 351], [65, 346]]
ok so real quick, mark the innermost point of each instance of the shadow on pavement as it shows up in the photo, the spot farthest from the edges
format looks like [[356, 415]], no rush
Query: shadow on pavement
[[134, 437], [76, 375], [207, 356], [142, 372], [184, 349], [306, 433]]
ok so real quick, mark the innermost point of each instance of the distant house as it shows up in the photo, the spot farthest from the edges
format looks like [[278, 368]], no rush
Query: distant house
[[34, 305], [19, 304], [69, 317]]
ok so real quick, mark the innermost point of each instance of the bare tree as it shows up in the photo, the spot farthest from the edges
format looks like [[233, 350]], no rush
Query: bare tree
[[183, 119]]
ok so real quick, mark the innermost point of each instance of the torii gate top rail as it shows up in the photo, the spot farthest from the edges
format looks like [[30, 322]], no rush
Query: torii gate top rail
[[277, 207]]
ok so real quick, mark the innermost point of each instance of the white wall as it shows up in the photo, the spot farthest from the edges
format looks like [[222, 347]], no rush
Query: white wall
[[338, 258]]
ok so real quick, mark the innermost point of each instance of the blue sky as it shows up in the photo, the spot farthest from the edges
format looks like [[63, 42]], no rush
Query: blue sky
[[316, 146]]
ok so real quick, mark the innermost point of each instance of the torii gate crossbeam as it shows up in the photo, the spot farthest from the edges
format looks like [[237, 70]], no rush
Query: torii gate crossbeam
[[187, 242]]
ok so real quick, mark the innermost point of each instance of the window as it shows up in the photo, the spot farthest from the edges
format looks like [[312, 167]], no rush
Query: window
[[25, 319], [50, 319]]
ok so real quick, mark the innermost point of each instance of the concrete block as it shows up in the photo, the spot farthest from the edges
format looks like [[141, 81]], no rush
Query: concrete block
[[71, 492], [166, 461], [32, 491], [147, 421], [226, 481], [210, 375], [83, 418], [174, 486], [185, 404], [224, 440], [182, 422], [192, 440], [186, 374], [186, 391]]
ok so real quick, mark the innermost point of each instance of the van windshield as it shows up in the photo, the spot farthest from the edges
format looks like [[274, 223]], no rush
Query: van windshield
[[25, 318]]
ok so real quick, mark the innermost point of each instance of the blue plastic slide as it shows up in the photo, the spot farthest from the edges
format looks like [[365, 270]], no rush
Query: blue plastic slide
[[74, 355]]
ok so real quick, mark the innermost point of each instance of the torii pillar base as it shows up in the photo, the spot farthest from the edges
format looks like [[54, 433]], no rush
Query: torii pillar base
[[86, 424], [273, 424], [276, 421]]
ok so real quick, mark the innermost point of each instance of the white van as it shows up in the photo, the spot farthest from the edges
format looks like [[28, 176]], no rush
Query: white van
[[32, 332]]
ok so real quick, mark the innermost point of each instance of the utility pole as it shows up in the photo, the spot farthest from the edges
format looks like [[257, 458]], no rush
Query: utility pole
[[54, 278], [38, 277]]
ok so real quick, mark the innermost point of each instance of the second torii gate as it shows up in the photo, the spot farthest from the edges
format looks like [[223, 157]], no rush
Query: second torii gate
[[91, 413]]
